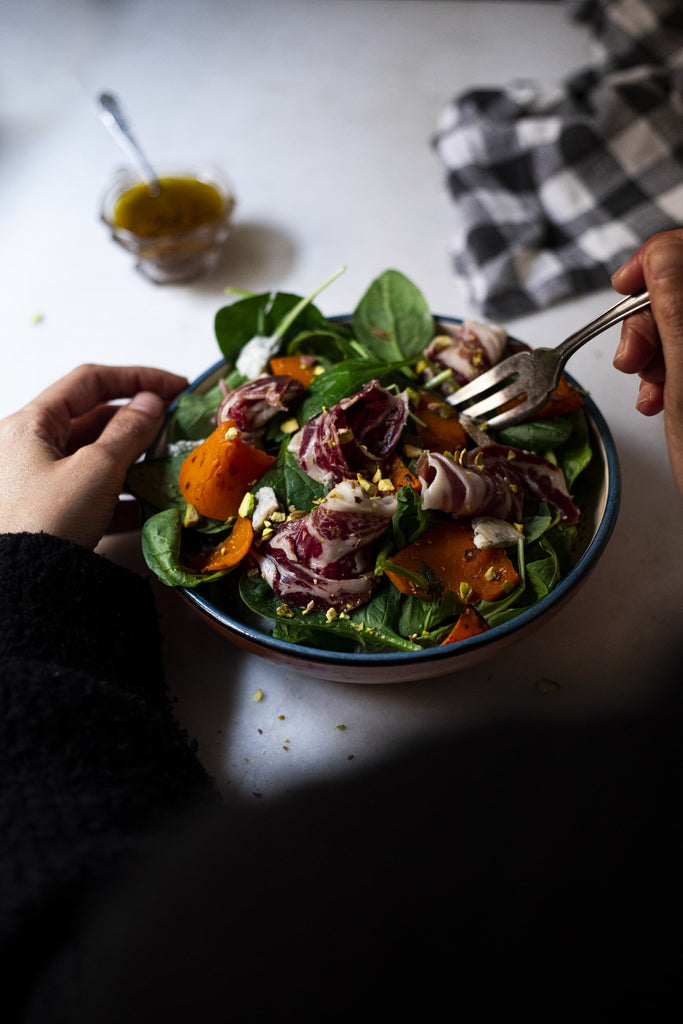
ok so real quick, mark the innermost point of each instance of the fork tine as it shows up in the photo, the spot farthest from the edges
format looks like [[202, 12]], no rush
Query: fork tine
[[479, 386], [512, 416], [492, 378], [493, 401]]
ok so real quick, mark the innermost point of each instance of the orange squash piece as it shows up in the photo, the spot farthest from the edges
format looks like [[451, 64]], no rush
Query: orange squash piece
[[442, 431], [470, 623], [448, 549], [216, 474], [295, 367], [399, 474], [229, 552], [564, 399]]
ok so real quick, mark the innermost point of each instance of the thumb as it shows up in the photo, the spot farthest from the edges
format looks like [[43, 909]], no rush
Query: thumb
[[131, 431]]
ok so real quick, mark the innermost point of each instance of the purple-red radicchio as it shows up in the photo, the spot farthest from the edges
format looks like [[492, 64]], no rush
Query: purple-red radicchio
[[360, 430], [321, 560], [253, 404], [492, 481]]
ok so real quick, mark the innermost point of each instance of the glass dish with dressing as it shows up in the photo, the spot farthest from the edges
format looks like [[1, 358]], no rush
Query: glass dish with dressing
[[176, 235]]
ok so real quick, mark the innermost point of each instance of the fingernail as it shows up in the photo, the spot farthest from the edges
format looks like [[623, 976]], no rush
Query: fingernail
[[617, 273], [619, 354], [147, 402], [643, 399]]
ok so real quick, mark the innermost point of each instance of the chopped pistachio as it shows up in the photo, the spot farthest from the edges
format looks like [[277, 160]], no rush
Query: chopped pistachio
[[465, 591], [331, 614], [247, 505], [191, 516], [285, 611], [258, 696], [366, 485], [290, 426]]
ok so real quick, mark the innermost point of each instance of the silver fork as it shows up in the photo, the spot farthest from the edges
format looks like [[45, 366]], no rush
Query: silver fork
[[532, 374]]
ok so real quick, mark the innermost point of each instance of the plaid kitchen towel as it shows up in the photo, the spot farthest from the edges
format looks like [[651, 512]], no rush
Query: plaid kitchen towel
[[555, 185]]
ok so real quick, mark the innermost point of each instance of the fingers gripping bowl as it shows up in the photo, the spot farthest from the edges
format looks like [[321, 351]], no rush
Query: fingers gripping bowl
[[440, 583]]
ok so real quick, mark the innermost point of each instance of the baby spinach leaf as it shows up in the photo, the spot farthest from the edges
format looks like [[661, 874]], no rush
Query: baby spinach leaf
[[194, 417], [155, 481], [366, 626], [537, 435], [238, 323], [393, 319], [576, 453], [345, 379], [410, 520], [161, 538], [293, 487]]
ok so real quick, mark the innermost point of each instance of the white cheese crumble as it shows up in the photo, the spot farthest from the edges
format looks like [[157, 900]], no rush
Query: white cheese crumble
[[266, 505], [490, 533], [254, 357]]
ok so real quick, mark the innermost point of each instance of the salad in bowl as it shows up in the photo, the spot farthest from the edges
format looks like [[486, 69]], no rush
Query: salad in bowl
[[315, 496]]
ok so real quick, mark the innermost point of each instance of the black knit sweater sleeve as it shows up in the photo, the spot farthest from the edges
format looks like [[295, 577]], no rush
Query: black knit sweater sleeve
[[91, 758]]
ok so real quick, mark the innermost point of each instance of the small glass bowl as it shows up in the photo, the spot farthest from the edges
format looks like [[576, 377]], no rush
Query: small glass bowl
[[172, 258]]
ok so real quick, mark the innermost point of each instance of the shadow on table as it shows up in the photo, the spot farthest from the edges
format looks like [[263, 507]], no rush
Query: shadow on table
[[255, 255]]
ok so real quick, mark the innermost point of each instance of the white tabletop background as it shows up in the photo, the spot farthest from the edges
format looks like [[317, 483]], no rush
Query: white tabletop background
[[321, 112]]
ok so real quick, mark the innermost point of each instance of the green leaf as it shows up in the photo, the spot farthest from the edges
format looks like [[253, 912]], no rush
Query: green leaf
[[161, 540], [294, 488], [410, 520], [537, 435], [346, 379], [366, 626], [194, 417], [575, 455], [393, 319], [238, 323], [155, 481]]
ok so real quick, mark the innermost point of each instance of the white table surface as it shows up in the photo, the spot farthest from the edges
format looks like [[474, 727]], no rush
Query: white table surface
[[321, 111]]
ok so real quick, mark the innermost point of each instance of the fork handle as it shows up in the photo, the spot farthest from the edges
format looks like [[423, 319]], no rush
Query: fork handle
[[631, 304]]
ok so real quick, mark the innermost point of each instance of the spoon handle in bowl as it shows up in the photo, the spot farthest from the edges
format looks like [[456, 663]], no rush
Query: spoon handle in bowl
[[113, 120]]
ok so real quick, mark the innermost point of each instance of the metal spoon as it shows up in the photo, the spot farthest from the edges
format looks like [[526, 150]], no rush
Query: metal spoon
[[113, 120]]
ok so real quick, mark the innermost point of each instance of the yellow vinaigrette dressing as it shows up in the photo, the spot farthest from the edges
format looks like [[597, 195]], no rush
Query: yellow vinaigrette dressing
[[183, 204]]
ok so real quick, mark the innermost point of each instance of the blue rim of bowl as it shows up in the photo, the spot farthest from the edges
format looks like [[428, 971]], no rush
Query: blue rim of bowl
[[253, 637]]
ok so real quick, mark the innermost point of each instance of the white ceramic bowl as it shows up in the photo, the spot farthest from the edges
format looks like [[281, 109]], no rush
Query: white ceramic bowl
[[597, 492]]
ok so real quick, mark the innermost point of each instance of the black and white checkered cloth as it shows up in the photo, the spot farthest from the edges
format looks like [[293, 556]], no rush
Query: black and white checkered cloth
[[555, 185]]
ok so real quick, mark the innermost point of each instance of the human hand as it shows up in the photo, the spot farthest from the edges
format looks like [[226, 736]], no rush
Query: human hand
[[651, 342], [65, 455]]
